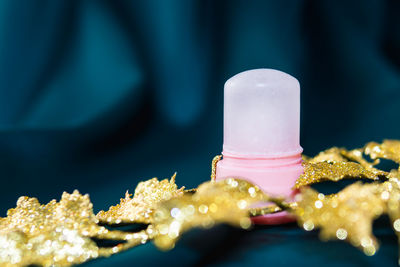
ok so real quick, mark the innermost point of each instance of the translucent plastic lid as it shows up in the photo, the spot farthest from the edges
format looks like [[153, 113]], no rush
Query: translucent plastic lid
[[262, 114]]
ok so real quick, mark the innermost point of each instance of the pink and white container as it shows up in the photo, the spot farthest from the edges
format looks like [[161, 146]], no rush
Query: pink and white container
[[261, 133]]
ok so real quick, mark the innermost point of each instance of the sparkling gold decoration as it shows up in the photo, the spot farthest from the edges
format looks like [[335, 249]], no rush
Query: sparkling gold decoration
[[332, 171], [55, 234], [349, 214], [63, 233], [140, 208], [336, 164], [345, 216], [224, 201]]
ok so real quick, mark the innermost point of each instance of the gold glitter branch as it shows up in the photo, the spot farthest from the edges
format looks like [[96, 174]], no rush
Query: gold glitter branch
[[55, 234], [63, 233], [225, 201], [349, 214]]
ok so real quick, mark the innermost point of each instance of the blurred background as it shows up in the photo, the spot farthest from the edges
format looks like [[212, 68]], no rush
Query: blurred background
[[99, 95]]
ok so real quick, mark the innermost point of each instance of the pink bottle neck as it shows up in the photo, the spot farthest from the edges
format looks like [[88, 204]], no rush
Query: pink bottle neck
[[262, 162]]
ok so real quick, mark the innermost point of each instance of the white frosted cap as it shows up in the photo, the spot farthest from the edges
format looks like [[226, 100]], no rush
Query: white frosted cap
[[262, 114]]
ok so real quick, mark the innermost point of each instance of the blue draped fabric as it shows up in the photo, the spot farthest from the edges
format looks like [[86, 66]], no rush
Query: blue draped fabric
[[99, 95]]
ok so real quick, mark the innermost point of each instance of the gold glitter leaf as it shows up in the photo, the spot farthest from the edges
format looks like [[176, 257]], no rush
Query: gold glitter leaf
[[63, 233], [140, 208], [347, 215], [332, 171], [56, 234], [225, 201], [335, 164]]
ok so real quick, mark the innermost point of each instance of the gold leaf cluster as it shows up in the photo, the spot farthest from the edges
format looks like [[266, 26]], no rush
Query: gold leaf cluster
[[225, 201], [345, 216], [66, 232], [63, 233], [55, 234], [349, 214]]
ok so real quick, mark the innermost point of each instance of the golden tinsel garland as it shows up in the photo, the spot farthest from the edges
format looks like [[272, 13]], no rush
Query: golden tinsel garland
[[63, 233]]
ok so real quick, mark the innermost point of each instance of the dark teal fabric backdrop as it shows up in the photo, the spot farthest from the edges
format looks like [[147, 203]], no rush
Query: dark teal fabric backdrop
[[99, 95]]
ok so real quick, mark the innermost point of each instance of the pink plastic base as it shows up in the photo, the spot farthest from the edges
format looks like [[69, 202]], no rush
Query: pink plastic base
[[274, 219], [275, 176]]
